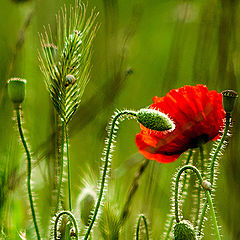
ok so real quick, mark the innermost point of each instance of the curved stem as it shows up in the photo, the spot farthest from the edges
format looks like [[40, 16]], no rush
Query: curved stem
[[207, 193], [145, 225], [61, 167], [73, 220], [105, 168], [29, 168], [184, 168], [182, 192], [212, 167], [132, 190], [68, 169]]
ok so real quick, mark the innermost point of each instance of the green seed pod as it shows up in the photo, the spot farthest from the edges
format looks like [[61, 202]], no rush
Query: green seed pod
[[184, 231], [16, 90], [87, 200], [154, 120], [229, 98]]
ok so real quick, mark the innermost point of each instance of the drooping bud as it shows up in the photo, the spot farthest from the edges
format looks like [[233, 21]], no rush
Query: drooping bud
[[87, 200], [184, 231], [16, 90], [206, 185], [229, 98], [154, 120]]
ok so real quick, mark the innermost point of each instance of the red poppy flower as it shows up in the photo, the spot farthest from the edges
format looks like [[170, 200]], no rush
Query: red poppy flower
[[198, 115]]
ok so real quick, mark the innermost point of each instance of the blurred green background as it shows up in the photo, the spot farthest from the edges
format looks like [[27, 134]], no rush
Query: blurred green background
[[142, 49]]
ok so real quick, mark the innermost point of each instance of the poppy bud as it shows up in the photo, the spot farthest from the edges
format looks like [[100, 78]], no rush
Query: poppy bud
[[16, 90], [154, 120], [184, 231], [87, 201], [229, 97], [206, 185]]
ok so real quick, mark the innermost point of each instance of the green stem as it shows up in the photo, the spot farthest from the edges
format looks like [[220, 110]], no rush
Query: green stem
[[105, 168], [132, 190], [199, 188], [207, 193], [61, 167], [145, 225], [68, 169], [212, 168], [182, 192], [73, 220], [29, 168]]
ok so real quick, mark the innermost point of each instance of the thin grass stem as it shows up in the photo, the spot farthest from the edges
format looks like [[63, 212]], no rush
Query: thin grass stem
[[68, 170], [61, 167], [132, 190]]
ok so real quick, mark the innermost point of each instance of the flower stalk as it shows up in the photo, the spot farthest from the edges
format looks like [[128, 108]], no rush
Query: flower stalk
[[111, 136], [29, 169], [207, 193]]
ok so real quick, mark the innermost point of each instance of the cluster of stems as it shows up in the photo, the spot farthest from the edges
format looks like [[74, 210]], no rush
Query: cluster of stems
[[205, 185]]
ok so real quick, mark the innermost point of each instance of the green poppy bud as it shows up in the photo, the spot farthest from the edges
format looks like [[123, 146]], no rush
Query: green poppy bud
[[184, 231], [87, 200], [229, 98], [16, 90], [154, 120]]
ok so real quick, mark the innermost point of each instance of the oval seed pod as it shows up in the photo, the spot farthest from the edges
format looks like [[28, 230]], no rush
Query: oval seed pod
[[229, 99], [184, 231], [16, 90], [154, 120]]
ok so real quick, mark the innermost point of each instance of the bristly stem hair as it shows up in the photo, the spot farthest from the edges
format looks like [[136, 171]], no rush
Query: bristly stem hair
[[212, 168], [65, 62], [111, 135], [29, 169], [207, 193]]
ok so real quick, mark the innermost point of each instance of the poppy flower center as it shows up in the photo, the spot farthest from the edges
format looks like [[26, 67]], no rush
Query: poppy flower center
[[197, 141]]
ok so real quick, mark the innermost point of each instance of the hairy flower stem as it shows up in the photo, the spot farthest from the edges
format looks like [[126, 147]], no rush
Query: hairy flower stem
[[184, 182], [145, 225], [68, 170], [61, 167], [199, 188], [105, 168], [132, 190], [29, 168], [207, 193], [73, 220], [212, 169]]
